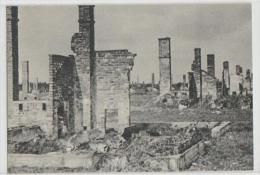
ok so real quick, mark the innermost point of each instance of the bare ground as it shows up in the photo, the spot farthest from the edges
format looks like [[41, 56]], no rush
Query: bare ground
[[144, 112]]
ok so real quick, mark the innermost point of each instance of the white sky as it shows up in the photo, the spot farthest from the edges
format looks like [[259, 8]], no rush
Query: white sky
[[223, 30]]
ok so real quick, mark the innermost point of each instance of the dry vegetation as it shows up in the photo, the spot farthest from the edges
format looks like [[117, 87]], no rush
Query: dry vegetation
[[232, 151]]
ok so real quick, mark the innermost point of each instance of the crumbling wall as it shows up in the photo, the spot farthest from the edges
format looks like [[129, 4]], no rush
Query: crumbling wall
[[205, 82], [112, 89], [31, 113], [236, 84], [61, 93], [209, 85]]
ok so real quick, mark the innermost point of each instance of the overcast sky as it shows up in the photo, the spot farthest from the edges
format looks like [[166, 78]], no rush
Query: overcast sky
[[223, 30]]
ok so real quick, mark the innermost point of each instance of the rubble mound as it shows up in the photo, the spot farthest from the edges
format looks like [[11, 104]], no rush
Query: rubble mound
[[143, 149], [30, 140], [95, 140], [235, 102], [169, 100]]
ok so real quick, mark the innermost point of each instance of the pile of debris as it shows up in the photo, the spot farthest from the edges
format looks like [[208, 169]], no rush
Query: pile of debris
[[144, 149], [95, 140], [235, 102], [169, 100], [30, 140]]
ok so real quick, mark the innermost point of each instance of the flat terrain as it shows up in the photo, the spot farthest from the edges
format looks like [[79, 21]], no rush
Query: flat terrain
[[144, 111]]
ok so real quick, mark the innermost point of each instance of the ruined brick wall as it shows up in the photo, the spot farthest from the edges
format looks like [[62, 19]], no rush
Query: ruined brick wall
[[61, 91], [236, 84], [112, 89], [165, 65], [209, 85], [30, 113], [205, 82], [12, 56], [82, 44]]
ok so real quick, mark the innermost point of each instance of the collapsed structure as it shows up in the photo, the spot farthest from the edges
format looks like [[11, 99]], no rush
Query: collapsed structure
[[201, 84], [205, 81], [87, 90]]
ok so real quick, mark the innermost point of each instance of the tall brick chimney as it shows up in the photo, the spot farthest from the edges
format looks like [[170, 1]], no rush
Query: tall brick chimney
[[211, 64], [197, 70], [12, 56], [83, 45], [165, 64]]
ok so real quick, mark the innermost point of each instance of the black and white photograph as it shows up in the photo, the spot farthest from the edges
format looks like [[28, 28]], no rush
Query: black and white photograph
[[129, 88]]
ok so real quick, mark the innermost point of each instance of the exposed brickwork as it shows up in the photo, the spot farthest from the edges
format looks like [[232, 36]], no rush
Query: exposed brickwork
[[205, 82], [165, 65], [61, 93], [85, 90], [82, 44], [113, 82], [209, 85], [12, 56], [31, 113]]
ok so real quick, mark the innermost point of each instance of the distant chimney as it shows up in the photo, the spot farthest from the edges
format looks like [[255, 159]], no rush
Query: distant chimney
[[239, 70], [153, 79], [211, 64], [36, 84], [248, 73]]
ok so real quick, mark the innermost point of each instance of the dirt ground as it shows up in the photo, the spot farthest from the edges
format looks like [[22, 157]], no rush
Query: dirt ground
[[144, 112]]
